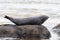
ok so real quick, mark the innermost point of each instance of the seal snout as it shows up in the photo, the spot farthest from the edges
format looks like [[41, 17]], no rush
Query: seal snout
[[6, 17]]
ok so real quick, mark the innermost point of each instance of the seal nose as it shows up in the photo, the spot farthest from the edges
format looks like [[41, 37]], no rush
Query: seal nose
[[6, 17]]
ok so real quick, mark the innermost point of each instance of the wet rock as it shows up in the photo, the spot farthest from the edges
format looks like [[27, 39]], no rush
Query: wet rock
[[57, 26], [34, 32], [7, 31], [25, 32], [56, 29]]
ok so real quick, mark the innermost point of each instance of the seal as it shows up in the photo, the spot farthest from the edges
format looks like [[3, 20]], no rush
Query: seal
[[28, 21]]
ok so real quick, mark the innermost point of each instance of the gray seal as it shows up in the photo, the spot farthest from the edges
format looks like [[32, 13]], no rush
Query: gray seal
[[28, 21]]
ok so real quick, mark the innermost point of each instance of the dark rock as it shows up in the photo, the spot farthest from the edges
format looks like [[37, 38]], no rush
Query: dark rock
[[36, 31], [26, 32], [57, 26]]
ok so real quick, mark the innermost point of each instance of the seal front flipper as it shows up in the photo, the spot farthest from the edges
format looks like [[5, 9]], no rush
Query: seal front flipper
[[29, 21]]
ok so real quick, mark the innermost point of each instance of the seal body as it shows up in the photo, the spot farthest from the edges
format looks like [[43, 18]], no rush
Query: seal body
[[28, 21]]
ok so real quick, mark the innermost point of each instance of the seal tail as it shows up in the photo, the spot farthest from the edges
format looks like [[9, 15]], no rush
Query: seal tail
[[43, 18]]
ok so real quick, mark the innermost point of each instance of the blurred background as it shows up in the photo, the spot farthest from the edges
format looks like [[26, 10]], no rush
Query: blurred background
[[31, 8]]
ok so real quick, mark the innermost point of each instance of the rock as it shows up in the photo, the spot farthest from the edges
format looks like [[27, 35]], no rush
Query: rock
[[25, 32], [36, 29], [57, 26], [56, 29]]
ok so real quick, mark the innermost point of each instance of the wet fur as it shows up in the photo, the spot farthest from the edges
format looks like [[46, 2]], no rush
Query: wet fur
[[28, 21]]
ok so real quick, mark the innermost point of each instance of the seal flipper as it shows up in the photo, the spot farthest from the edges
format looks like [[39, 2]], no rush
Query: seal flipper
[[29, 21]]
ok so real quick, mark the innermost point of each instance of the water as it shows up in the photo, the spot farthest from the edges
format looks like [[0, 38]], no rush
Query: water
[[30, 8]]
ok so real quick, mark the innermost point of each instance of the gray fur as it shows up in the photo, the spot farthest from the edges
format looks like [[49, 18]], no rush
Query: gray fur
[[28, 21]]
